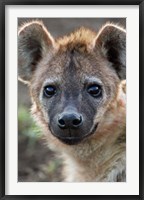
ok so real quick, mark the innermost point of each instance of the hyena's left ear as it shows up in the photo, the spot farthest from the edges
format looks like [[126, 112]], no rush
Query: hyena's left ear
[[112, 41], [33, 42]]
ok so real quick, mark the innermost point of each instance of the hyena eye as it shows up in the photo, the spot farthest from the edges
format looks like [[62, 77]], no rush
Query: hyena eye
[[49, 90], [95, 90]]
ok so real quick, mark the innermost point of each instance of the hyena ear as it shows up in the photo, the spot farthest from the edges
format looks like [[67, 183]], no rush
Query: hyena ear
[[112, 41], [33, 42]]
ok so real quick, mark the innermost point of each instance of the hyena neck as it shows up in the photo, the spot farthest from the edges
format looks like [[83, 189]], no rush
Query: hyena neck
[[96, 162], [97, 169]]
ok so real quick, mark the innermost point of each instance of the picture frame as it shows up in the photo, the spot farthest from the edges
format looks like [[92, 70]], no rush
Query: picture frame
[[3, 100]]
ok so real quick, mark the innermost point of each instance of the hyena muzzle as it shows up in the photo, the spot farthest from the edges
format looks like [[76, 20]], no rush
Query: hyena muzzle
[[77, 88]]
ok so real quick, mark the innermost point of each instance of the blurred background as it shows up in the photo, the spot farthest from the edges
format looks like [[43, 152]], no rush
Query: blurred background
[[37, 163]]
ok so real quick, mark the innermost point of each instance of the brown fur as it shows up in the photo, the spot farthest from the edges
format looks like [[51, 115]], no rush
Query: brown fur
[[102, 155]]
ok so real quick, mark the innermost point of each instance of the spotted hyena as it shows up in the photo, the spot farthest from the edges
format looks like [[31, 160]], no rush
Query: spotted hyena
[[77, 86]]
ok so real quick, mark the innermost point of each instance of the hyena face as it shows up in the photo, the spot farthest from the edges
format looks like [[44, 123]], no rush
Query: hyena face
[[72, 79]]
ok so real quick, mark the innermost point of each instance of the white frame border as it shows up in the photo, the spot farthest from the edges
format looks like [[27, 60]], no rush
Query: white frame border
[[131, 187]]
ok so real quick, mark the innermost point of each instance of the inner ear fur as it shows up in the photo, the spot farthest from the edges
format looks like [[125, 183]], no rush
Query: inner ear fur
[[33, 41], [112, 41]]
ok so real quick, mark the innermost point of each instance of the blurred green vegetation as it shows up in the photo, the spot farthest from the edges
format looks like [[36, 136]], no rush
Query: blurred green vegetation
[[36, 161], [26, 124]]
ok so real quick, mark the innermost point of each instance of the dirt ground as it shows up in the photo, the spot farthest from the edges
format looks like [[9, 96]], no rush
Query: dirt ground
[[36, 163]]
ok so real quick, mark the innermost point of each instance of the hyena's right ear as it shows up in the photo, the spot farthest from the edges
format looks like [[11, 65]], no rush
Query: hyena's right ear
[[33, 41]]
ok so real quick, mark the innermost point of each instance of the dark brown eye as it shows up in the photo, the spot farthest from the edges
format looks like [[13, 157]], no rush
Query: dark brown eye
[[49, 90], [95, 90]]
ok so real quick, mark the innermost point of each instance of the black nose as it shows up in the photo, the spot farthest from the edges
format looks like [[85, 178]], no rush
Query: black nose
[[69, 120]]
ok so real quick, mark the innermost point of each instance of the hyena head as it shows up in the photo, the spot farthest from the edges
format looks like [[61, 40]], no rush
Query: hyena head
[[72, 79]]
